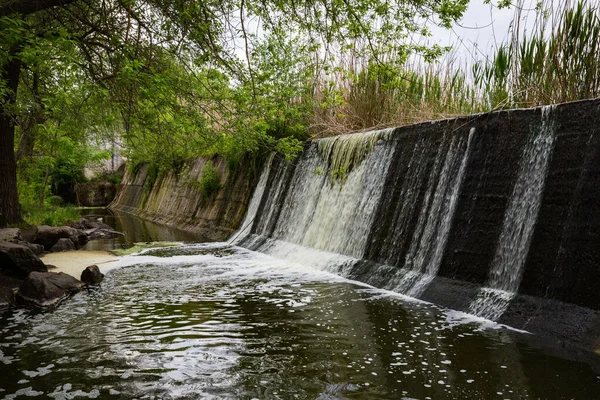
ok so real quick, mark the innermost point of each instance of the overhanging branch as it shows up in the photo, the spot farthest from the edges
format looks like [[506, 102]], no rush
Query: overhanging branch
[[25, 7]]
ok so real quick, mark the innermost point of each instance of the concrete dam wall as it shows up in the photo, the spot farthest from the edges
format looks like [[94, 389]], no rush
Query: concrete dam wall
[[178, 201], [496, 215]]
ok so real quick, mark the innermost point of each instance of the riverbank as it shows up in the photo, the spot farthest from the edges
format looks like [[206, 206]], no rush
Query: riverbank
[[74, 262]]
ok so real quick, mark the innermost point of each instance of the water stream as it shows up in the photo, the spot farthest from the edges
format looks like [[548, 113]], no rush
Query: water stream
[[275, 313], [520, 219], [215, 321]]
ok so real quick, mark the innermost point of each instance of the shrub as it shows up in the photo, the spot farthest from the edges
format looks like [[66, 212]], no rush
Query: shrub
[[210, 181]]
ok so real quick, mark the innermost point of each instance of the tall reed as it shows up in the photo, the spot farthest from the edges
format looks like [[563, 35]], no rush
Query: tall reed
[[558, 62], [363, 95]]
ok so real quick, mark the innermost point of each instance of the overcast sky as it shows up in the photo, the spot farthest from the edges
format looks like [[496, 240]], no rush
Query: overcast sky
[[483, 26]]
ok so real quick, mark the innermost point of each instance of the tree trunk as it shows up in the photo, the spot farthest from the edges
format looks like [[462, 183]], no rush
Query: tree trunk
[[30, 124], [10, 210]]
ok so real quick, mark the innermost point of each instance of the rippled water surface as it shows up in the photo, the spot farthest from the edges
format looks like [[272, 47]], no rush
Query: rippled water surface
[[218, 322]]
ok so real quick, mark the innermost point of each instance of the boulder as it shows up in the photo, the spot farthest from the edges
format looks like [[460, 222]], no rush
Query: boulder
[[37, 249], [15, 235], [63, 244], [7, 298], [100, 225], [28, 234], [82, 238], [82, 224], [47, 236], [47, 289], [18, 260], [92, 275], [10, 235], [95, 230]]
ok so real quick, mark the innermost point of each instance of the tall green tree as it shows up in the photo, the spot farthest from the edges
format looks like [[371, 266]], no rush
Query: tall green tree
[[139, 52]]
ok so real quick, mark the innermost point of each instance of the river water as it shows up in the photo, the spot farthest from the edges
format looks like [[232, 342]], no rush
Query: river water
[[215, 321]]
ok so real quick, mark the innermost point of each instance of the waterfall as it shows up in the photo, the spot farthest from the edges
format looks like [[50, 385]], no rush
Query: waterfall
[[520, 219], [433, 226], [322, 209], [259, 191]]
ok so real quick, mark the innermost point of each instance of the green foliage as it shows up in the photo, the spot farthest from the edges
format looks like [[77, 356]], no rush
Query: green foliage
[[210, 181], [164, 79], [548, 66], [48, 214], [289, 147]]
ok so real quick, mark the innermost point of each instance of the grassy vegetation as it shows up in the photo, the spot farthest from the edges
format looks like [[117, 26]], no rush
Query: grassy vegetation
[[556, 63], [52, 215], [561, 66], [373, 96]]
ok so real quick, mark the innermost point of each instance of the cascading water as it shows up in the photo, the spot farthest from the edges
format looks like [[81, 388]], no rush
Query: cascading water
[[327, 204], [255, 201], [519, 222], [429, 241], [324, 212]]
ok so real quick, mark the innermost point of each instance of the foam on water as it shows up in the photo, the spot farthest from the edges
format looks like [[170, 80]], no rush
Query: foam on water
[[218, 321]]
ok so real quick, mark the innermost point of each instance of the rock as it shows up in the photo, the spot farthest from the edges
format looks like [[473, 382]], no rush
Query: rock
[[28, 234], [47, 236], [7, 298], [63, 244], [95, 230], [82, 238], [37, 249], [18, 261], [92, 275], [15, 235], [96, 233], [10, 235], [47, 289], [100, 225], [82, 224], [8, 287]]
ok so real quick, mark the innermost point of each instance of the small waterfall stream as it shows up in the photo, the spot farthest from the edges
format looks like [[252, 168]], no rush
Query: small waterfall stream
[[246, 226], [322, 209], [429, 241], [519, 222]]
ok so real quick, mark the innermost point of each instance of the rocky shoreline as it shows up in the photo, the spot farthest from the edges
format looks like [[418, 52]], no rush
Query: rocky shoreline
[[25, 280]]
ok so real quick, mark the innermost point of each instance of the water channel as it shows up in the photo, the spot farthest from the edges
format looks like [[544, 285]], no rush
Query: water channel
[[216, 321]]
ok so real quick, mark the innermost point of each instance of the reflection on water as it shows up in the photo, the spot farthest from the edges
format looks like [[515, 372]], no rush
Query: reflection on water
[[211, 321], [135, 229]]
